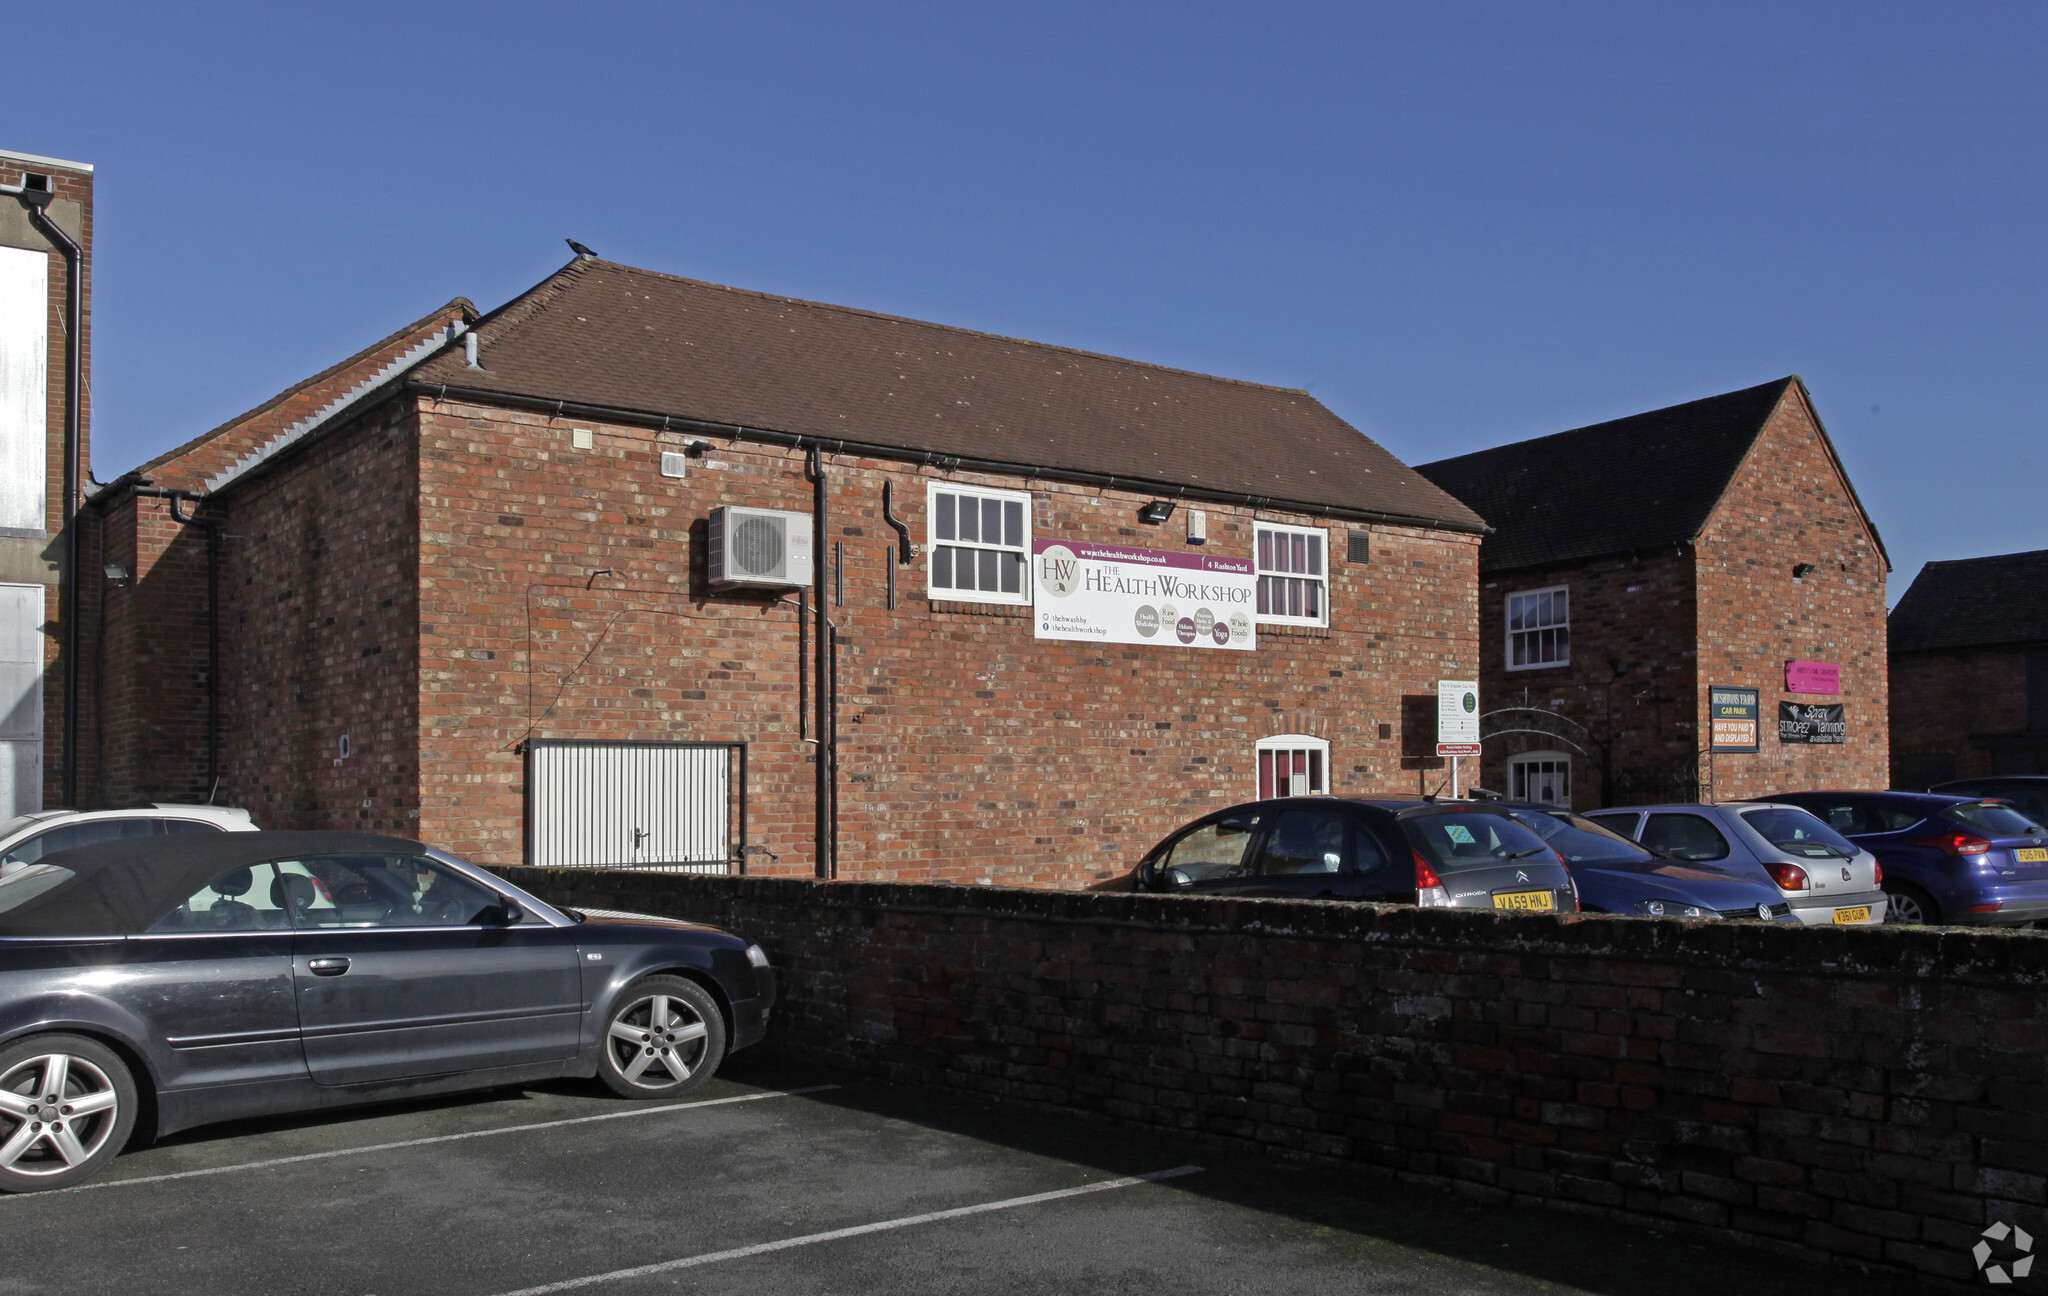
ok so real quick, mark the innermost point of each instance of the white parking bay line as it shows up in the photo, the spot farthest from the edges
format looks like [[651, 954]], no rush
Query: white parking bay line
[[420, 1142], [808, 1239]]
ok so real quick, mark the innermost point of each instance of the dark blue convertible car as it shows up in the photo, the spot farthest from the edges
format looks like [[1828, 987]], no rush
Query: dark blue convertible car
[[212, 976]]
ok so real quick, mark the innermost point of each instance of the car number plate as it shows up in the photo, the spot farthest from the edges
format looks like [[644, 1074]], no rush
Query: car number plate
[[1525, 900], [1861, 913], [2031, 854]]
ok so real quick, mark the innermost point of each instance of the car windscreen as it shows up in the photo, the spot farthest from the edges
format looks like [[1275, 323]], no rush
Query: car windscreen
[[1992, 818], [1798, 833], [1462, 841], [1580, 840]]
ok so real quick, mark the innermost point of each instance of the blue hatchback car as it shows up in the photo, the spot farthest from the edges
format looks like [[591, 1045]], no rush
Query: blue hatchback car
[[1616, 876], [1946, 858]]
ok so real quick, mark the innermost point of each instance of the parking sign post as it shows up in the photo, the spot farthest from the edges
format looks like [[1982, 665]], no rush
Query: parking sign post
[[1457, 722]]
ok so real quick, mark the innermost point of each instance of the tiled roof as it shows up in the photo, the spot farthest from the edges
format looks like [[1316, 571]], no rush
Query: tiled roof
[[212, 455], [603, 334], [1629, 485], [1973, 602]]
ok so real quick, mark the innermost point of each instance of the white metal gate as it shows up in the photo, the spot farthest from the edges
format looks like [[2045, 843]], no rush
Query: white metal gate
[[21, 699], [666, 806]]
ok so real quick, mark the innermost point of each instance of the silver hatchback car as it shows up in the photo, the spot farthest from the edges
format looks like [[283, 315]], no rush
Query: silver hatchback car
[[1826, 878]]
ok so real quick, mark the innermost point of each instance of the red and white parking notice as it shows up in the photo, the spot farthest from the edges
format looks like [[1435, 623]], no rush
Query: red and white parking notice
[[1109, 594]]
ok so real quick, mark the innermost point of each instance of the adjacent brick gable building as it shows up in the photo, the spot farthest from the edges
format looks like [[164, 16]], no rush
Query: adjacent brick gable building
[[489, 570], [1638, 564], [1969, 660], [46, 234]]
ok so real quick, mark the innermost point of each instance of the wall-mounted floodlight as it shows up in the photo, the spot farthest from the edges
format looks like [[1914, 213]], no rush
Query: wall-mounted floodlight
[[1157, 512], [117, 573]]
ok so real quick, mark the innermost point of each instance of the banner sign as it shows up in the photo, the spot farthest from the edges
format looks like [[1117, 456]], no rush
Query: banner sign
[[1109, 594], [1811, 722], [1734, 719], [1813, 677], [1457, 718]]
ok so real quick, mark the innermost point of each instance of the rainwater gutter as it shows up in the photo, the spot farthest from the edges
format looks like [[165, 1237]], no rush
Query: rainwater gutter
[[950, 463]]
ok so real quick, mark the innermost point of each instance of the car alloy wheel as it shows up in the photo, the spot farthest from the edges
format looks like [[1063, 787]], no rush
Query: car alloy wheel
[[664, 1038], [1908, 908], [67, 1105]]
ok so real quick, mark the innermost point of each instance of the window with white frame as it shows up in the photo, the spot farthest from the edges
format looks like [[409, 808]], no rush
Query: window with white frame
[[1542, 777], [1293, 571], [1292, 765], [980, 543], [1540, 628]]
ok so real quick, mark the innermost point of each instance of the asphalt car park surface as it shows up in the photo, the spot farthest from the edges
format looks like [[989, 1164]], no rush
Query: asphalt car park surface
[[786, 1179]]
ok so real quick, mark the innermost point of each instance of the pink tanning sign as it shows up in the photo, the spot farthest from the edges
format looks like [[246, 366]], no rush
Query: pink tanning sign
[[1812, 677]]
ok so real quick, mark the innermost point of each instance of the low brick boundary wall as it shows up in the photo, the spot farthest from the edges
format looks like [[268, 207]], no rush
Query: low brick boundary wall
[[1879, 1095]]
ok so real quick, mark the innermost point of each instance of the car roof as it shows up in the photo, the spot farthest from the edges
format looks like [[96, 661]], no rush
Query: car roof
[[1697, 807], [120, 887], [1993, 778], [1931, 798]]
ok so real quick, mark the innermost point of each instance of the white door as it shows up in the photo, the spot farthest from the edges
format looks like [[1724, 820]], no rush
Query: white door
[[630, 805], [21, 699]]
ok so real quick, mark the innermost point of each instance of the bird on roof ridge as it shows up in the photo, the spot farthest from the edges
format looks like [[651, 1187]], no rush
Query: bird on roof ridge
[[578, 248]]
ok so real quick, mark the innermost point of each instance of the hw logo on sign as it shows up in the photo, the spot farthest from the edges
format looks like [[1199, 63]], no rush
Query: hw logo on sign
[[2022, 1242]]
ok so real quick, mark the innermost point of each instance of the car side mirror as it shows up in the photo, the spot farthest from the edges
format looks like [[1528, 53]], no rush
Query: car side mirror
[[509, 914], [1178, 878]]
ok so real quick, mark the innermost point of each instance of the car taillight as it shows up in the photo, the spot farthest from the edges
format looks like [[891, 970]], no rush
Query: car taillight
[[1790, 877], [1425, 876], [1879, 880], [1956, 843]]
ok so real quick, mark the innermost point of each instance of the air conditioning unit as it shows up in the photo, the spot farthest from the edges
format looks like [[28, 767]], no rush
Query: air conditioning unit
[[755, 548]]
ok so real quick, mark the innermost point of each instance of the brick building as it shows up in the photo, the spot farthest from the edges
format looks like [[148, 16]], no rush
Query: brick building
[[1651, 574], [45, 426], [1969, 660], [463, 589]]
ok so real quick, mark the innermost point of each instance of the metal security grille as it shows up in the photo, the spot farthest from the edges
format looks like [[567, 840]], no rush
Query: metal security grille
[[665, 807]]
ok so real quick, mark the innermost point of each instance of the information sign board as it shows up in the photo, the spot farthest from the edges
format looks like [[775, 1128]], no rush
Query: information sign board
[[1812, 722], [1457, 718], [1110, 594], [1733, 716], [1813, 677]]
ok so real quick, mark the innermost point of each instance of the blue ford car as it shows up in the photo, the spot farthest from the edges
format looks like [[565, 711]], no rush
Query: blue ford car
[[1947, 858], [1616, 876]]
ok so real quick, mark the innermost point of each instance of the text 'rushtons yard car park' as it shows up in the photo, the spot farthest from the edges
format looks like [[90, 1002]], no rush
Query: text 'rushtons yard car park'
[[649, 783]]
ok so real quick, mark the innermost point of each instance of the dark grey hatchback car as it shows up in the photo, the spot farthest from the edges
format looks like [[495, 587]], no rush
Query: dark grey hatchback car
[[1467, 855], [211, 977]]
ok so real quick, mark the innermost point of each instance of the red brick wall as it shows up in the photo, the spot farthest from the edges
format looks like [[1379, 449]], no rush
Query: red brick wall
[[1940, 699], [1863, 1094], [968, 749], [144, 680], [320, 585], [1629, 684], [1789, 504]]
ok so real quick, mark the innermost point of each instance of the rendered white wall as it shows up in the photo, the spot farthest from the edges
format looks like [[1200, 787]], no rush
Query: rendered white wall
[[24, 387]]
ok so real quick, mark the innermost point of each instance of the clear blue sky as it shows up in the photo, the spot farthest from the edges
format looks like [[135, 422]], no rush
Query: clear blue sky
[[1456, 224]]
